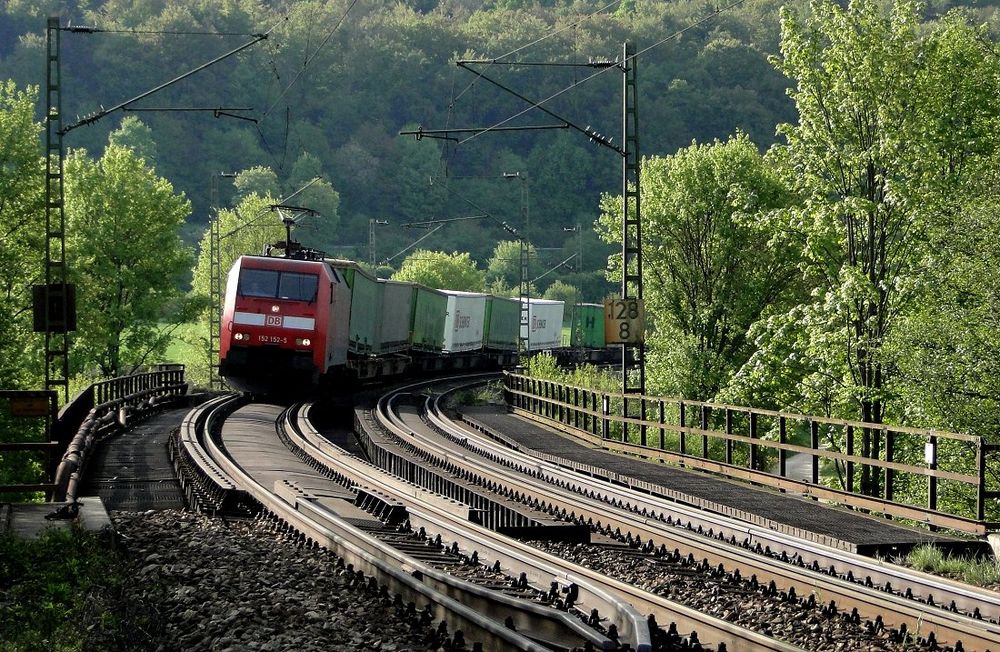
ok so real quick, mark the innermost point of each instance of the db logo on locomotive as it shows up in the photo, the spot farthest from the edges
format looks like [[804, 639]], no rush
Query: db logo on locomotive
[[273, 320]]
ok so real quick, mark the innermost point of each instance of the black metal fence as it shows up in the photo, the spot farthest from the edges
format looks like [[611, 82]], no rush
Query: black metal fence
[[875, 467], [94, 413]]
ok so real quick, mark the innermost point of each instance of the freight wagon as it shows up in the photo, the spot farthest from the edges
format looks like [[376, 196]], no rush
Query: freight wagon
[[290, 324]]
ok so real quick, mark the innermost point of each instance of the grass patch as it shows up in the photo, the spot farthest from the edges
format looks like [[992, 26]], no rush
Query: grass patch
[[65, 592], [186, 342], [189, 346], [489, 394], [978, 572]]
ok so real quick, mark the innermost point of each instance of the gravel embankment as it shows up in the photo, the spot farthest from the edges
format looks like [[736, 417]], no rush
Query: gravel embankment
[[237, 586]]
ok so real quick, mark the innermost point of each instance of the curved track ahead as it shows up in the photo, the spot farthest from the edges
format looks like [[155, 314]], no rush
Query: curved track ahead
[[827, 573], [246, 453], [251, 465]]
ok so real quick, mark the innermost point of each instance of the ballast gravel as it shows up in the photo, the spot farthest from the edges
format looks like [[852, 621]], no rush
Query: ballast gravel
[[807, 626], [228, 586]]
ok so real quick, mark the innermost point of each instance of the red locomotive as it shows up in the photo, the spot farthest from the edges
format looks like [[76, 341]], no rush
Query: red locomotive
[[273, 328]]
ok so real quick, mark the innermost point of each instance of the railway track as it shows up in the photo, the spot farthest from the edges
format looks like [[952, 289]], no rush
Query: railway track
[[865, 572], [846, 586], [511, 490], [375, 552]]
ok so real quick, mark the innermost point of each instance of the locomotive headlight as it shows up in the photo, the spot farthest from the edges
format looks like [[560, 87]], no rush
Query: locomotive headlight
[[275, 309], [303, 341], [239, 337]]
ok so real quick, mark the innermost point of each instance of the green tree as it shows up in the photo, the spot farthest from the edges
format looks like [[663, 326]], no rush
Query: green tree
[[713, 262], [441, 270], [260, 180], [562, 291], [422, 194], [504, 265], [135, 135], [21, 232], [244, 230], [946, 349], [122, 223], [884, 128], [319, 231]]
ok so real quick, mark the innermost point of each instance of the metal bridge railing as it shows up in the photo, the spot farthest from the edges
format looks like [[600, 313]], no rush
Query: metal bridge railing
[[874, 467], [96, 412]]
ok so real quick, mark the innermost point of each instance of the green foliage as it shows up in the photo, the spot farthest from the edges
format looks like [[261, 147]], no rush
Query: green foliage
[[490, 393], [978, 572], [22, 228], [189, 345], [871, 156], [348, 106], [258, 180], [123, 223], [544, 366], [61, 593], [318, 231], [135, 135], [945, 349], [437, 269], [562, 291], [504, 265], [22, 467], [714, 263], [244, 230]]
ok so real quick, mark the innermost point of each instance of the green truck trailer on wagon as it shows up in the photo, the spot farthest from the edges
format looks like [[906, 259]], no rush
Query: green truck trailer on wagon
[[583, 326]]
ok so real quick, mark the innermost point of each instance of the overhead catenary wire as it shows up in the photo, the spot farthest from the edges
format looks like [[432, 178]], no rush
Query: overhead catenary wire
[[97, 115], [84, 29], [253, 220], [552, 269], [414, 243], [551, 34], [310, 59], [599, 72]]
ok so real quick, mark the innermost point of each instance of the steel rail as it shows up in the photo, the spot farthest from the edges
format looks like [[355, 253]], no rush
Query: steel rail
[[870, 603], [709, 629], [439, 514], [945, 591], [400, 573], [205, 485], [622, 490]]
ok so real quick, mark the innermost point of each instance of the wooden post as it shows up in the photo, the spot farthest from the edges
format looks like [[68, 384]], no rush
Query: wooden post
[[594, 406], [890, 451], [981, 489], [754, 449], [606, 410], [814, 444], [642, 415], [850, 464], [782, 453], [662, 421], [682, 445], [705, 412], [930, 456], [729, 431]]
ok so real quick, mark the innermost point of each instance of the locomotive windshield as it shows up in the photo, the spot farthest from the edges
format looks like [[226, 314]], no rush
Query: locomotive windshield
[[269, 284]]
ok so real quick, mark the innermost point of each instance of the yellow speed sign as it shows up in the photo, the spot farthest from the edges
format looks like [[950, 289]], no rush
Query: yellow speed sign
[[624, 321]]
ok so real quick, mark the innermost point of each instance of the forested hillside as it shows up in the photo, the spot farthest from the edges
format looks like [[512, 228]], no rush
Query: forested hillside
[[335, 82], [819, 183]]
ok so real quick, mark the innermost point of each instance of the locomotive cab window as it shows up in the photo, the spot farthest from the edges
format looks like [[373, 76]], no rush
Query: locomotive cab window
[[298, 287], [258, 283], [270, 284]]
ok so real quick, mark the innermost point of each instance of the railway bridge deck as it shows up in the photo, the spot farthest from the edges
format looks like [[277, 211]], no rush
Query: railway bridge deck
[[785, 513]]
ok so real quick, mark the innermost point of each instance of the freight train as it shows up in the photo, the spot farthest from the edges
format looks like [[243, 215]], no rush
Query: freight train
[[290, 324]]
